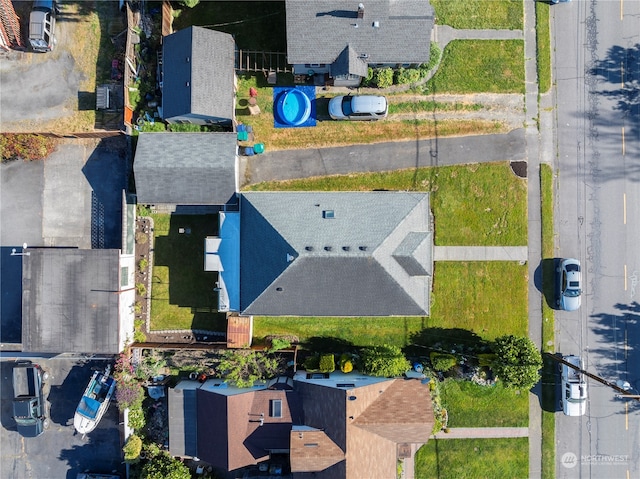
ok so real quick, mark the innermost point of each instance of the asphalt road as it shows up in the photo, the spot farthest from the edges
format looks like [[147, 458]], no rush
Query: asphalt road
[[59, 452], [597, 212]]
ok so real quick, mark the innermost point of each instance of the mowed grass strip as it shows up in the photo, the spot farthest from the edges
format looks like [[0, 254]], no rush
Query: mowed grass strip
[[480, 14], [543, 46], [472, 405], [181, 291], [478, 204], [506, 458], [480, 66]]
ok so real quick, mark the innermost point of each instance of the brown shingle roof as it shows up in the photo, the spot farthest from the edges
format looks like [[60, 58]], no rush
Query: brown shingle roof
[[312, 451]]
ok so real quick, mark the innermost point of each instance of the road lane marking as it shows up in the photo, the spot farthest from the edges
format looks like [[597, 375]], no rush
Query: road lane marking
[[624, 208], [623, 145], [621, 9]]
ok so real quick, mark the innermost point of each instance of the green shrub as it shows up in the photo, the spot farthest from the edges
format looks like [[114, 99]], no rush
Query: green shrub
[[383, 361], [486, 360], [383, 77], [312, 363], [137, 420], [132, 448], [407, 75], [139, 336], [190, 3], [346, 367], [442, 361], [141, 288], [327, 363], [279, 343], [143, 263]]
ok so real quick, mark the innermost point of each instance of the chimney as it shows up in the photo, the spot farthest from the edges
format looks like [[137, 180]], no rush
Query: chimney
[[361, 10]]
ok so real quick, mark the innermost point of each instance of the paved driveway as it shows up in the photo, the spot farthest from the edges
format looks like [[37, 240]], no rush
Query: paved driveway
[[71, 199], [59, 452]]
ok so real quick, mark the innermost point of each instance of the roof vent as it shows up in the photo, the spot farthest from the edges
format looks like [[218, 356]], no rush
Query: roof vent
[[290, 258], [362, 248], [188, 59], [346, 248], [361, 10], [328, 214], [309, 248], [376, 24], [187, 84], [363, 55], [328, 248]]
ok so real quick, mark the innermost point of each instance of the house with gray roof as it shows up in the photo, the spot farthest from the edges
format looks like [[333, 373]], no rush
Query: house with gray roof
[[77, 300], [341, 40], [328, 254], [188, 169], [326, 426], [198, 77]]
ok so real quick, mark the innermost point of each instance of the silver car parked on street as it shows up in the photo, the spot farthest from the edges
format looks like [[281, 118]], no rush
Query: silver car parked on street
[[569, 284]]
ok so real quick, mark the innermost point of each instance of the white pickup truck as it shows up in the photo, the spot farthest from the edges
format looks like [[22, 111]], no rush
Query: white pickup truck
[[574, 388]]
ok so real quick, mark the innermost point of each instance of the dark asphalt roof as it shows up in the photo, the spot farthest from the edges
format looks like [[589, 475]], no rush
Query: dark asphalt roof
[[198, 74], [70, 301], [183, 422], [335, 253], [185, 168], [319, 30]]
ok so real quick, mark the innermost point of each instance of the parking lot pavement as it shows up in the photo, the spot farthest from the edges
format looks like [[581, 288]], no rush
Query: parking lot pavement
[[59, 452]]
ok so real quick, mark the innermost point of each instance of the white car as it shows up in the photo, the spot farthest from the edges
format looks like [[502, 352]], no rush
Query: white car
[[569, 284], [358, 107], [574, 388]]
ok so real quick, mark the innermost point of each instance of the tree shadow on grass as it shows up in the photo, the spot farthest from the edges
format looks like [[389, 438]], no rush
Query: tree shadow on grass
[[328, 344]]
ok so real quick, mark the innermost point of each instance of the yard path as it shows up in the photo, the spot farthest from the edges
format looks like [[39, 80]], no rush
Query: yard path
[[482, 432]]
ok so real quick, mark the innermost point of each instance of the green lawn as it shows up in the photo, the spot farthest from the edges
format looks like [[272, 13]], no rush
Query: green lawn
[[488, 298], [472, 405], [473, 459], [479, 204], [480, 66], [480, 14], [543, 45], [182, 292]]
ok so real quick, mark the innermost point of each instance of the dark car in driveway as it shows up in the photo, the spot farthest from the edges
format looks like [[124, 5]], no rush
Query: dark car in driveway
[[29, 401]]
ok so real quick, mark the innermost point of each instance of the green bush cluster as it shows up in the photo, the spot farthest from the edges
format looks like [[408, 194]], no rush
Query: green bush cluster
[[407, 75], [311, 363], [383, 77], [384, 361], [137, 419]]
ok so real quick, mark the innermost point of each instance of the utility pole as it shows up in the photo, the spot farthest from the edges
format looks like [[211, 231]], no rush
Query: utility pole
[[624, 393]]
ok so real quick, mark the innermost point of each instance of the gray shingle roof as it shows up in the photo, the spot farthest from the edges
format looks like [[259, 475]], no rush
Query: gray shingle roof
[[335, 254], [319, 30], [183, 422], [70, 301], [185, 168], [198, 73]]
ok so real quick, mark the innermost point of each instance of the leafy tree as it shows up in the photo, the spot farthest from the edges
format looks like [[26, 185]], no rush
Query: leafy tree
[[385, 361], [244, 368], [190, 3], [163, 466], [518, 361]]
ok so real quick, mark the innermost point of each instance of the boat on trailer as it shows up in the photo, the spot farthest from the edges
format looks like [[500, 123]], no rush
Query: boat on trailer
[[95, 401]]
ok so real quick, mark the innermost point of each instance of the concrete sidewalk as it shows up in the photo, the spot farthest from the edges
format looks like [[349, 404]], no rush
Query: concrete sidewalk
[[482, 432], [480, 253]]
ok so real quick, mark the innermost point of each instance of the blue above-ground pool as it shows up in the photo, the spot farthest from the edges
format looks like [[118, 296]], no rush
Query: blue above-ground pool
[[293, 107]]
